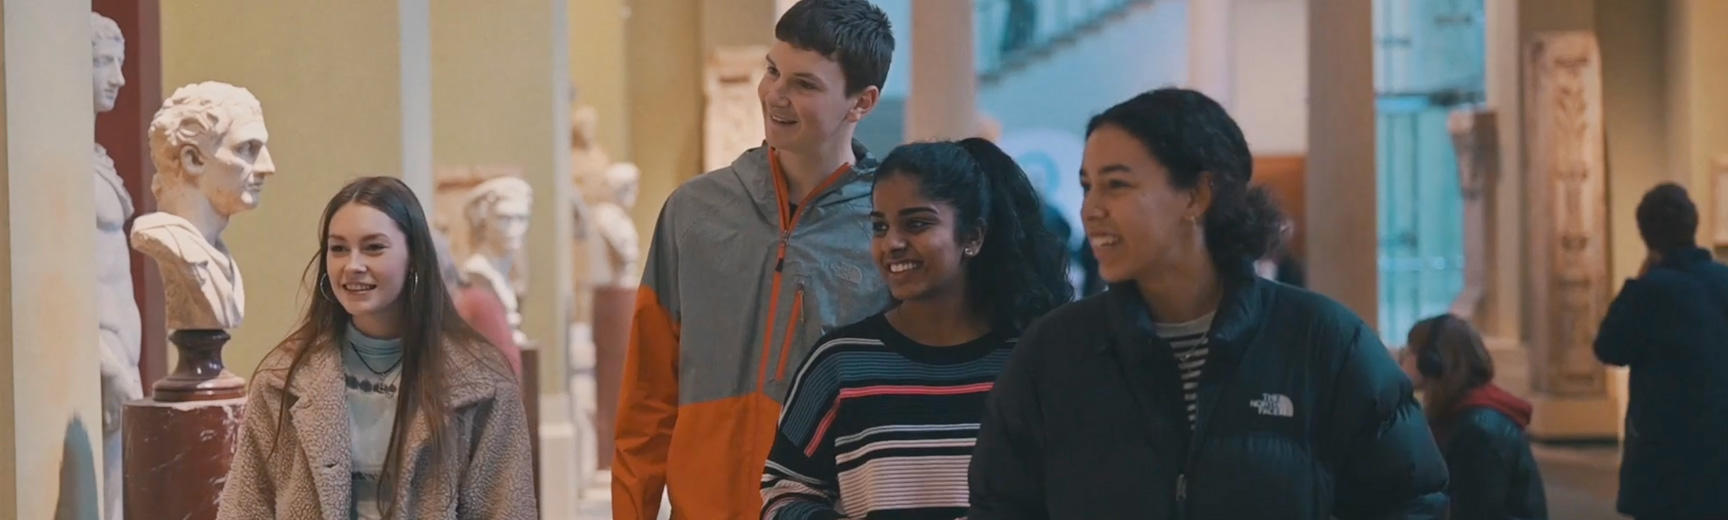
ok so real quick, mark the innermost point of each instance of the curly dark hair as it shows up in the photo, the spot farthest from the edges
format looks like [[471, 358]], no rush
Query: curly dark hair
[[1191, 135], [1667, 219], [1021, 272]]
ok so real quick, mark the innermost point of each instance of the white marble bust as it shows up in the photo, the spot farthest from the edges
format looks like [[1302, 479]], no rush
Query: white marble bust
[[617, 230], [497, 212], [208, 142], [118, 328]]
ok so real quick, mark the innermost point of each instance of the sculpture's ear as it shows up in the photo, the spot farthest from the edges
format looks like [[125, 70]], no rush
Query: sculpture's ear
[[191, 160]]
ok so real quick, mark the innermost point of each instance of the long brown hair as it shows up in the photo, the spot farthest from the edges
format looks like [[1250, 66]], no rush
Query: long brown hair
[[430, 331], [1453, 361]]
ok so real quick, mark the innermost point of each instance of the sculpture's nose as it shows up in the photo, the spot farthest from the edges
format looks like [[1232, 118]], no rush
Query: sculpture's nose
[[265, 166]]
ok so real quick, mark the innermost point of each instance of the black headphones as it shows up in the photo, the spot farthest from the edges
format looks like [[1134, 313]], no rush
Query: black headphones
[[1428, 357]]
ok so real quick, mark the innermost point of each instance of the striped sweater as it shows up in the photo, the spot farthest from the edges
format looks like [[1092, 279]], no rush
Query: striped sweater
[[878, 426]]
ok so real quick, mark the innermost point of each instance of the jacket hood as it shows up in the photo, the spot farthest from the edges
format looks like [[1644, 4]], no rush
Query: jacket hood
[[1495, 398]]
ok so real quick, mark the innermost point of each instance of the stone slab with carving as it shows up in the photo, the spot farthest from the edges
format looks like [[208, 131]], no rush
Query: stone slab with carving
[[732, 115], [1567, 191]]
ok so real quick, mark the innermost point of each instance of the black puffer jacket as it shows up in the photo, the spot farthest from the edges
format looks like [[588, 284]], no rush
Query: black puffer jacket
[[1303, 415], [1671, 327], [1493, 474]]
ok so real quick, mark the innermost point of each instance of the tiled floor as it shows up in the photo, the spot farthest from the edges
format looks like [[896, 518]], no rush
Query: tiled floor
[[1580, 483]]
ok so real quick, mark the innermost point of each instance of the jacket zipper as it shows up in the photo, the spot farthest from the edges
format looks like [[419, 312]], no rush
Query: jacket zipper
[[788, 222], [1203, 404], [791, 326]]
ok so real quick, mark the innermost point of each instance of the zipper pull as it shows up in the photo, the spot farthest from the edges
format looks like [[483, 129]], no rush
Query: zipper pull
[[1181, 496], [779, 264]]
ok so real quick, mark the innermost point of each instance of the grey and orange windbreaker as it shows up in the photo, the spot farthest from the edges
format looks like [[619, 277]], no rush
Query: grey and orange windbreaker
[[737, 288]]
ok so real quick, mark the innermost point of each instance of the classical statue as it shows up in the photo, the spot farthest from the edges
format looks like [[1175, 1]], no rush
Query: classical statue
[[497, 215], [208, 142], [118, 328], [617, 231]]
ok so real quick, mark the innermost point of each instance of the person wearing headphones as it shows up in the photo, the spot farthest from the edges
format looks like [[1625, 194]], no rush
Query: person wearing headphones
[[1478, 426]]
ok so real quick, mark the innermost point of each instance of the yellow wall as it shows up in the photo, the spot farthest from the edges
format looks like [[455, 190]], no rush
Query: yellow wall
[[1635, 118], [329, 77], [1698, 69], [50, 407], [663, 65], [738, 22], [667, 42], [597, 69], [498, 98]]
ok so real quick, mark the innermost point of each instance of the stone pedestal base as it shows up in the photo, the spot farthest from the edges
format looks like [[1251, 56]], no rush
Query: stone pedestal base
[[612, 309], [1574, 419], [177, 456]]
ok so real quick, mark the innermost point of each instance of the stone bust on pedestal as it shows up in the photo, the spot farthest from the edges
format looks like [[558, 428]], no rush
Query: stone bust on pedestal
[[497, 212], [208, 144], [617, 231]]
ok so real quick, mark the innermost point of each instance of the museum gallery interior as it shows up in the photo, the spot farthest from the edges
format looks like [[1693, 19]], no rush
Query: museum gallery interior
[[1478, 157]]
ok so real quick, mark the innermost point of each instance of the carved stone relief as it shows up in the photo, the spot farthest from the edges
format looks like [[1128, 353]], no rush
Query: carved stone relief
[[732, 115], [1567, 191]]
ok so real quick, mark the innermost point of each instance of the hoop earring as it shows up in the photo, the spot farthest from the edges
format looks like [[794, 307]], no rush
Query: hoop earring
[[324, 287]]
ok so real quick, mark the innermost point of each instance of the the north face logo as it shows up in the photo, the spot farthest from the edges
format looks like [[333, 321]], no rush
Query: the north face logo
[[1276, 405], [847, 272]]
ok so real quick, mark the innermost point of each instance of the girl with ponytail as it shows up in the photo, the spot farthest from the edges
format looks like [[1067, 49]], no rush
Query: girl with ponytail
[[960, 239], [1193, 388]]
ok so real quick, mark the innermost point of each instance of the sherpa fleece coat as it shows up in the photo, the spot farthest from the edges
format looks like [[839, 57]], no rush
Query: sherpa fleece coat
[[490, 473]]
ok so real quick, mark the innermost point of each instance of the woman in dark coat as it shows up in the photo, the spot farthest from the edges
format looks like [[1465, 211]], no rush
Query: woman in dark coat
[[1192, 388], [1478, 425]]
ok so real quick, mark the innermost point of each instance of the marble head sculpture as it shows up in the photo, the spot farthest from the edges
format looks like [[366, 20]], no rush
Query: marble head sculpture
[[107, 53], [497, 216], [208, 142]]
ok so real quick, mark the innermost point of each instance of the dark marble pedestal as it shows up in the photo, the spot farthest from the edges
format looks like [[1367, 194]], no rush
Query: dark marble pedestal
[[180, 441], [177, 456], [612, 309]]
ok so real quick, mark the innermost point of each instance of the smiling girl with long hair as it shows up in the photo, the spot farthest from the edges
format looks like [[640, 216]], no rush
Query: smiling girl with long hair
[[383, 403]]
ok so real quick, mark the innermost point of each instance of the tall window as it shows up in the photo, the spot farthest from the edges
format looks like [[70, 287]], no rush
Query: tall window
[[1428, 60]]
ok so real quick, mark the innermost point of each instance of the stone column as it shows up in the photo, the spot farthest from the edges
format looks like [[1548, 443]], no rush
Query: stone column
[[1566, 186], [1501, 28], [1210, 66], [1342, 238], [943, 100], [50, 407], [1475, 140], [500, 95]]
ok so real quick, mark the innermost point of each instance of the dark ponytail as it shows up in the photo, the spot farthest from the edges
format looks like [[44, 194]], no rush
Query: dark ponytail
[[1190, 134], [1020, 273]]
